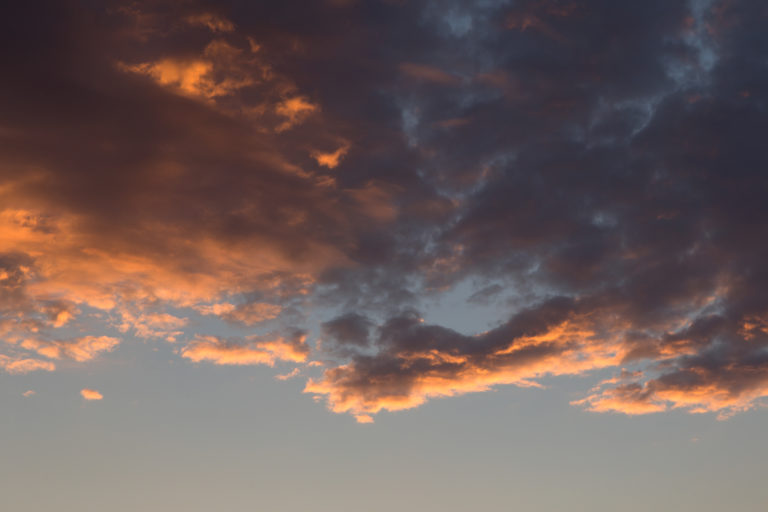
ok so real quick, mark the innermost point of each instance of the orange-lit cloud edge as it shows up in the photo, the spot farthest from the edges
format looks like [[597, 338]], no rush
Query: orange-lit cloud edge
[[577, 345]]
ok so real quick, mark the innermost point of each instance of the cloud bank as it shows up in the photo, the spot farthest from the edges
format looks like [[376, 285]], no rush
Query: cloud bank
[[594, 169]]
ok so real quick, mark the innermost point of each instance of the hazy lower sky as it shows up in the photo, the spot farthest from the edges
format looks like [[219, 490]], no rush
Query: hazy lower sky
[[348, 255]]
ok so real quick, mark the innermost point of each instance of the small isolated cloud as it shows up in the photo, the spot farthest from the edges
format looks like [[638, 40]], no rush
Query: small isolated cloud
[[91, 394], [363, 418]]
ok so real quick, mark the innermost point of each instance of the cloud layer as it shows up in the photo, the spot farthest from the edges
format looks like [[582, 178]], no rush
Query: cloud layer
[[312, 180]]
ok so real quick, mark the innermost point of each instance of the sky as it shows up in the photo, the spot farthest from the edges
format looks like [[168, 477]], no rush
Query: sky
[[345, 255]]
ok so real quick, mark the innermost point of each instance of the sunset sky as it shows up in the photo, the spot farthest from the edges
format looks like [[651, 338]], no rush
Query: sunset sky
[[384, 255]]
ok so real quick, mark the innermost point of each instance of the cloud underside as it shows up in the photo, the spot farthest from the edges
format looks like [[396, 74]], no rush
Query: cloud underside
[[594, 171]]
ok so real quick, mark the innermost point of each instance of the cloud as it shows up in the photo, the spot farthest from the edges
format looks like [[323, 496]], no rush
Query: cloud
[[697, 387], [69, 243], [253, 313], [90, 394], [330, 160], [21, 365], [294, 110], [189, 76], [151, 325], [593, 177], [212, 21], [417, 362], [351, 329], [250, 351], [484, 295], [250, 313], [78, 349], [286, 376]]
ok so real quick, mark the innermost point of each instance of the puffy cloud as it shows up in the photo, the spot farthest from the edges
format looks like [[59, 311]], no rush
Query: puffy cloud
[[91, 394]]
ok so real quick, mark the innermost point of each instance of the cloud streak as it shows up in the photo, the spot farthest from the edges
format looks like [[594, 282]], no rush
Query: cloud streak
[[251, 351]]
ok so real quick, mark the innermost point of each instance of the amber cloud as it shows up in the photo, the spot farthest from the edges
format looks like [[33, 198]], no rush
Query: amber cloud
[[90, 394]]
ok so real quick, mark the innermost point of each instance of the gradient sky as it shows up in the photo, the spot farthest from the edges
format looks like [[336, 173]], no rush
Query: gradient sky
[[350, 255]]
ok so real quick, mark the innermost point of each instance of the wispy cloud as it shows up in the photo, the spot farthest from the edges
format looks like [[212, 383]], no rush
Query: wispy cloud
[[250, 351]]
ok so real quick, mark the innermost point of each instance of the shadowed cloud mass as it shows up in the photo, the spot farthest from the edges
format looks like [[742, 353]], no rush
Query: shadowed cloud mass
[[261, 185]]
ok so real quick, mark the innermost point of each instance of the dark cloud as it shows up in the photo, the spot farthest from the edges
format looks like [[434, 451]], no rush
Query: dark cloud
[[349, 330]]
